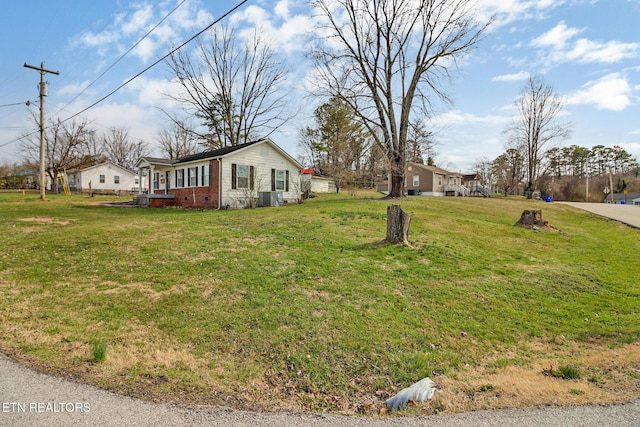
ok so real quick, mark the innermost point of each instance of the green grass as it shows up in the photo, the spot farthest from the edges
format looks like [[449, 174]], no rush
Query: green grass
[[304, 302]]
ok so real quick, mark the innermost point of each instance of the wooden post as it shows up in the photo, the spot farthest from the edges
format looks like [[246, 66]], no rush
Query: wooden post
[[398, 223]]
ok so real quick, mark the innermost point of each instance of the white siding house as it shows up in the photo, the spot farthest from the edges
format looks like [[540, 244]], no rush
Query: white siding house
[[105, 177], [255, 173]]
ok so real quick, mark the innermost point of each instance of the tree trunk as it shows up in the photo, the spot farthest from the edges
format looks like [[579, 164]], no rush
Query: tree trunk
[[397, 182], [397, 225], [531, 218]]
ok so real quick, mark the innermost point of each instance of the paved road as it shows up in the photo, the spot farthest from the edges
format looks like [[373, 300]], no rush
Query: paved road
[[33, 399], [626, 214]]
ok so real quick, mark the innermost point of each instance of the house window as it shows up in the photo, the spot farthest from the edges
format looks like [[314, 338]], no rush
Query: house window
[[193, 176], [205, 176], [116, 179], [102, 179], [439, 179], [156, 181], [416, 181], [137, 181], [242, 176], [179, 177], [280, 180]]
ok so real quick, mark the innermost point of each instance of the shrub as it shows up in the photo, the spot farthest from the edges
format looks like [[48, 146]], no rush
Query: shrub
[[99, 350]]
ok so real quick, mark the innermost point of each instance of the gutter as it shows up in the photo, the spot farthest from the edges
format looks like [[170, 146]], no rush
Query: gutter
[[219, 183]]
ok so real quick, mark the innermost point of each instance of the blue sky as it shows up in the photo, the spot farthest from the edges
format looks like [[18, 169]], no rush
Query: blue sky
[[588, 50]]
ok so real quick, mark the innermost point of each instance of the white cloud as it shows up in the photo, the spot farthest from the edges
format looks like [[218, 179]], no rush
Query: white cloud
[[457, 117], [282, 9], [610, 52], [611, 92], [516, 77], [286, 30], [559, 45], [507, 11], [130, 25], [557, 37]]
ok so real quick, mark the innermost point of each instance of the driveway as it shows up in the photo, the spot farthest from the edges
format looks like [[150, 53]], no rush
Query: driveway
[[626, 214], [30, 398]]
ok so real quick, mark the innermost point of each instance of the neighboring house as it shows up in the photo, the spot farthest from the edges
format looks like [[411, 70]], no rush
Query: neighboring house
[[105, 177], [429, 181], [474, 185], [623, 198], [257, 173]]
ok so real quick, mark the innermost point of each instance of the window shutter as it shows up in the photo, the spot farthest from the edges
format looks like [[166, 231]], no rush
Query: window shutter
[[286, 188], [196, 169], [188, 183], [233, 176], [210, 173], [176, 177], [273, 180], [252, 174]]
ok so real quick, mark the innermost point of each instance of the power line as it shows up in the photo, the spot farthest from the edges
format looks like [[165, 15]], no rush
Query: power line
[[17, 103], [158, 61], [122, 56], [135, 76]]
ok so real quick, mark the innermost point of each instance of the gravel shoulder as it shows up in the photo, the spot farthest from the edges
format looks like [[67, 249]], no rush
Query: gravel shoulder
[[30, 398]]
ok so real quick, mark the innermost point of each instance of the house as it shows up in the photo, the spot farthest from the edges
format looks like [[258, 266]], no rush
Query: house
[[629, 198], [257, 173], [473, 183], [105, 177], [429, 181]]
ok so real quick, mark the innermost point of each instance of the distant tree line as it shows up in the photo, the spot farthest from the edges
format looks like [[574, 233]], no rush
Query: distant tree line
[[533, 160]]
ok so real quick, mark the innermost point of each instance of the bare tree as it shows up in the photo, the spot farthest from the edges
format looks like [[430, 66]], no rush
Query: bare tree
[[121, 150], [65, 144], [387, 58], [536, 126], [508, 169], [234, 87], [177, 140]]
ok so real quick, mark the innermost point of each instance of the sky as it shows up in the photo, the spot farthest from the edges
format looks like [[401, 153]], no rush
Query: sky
[[587, 50]]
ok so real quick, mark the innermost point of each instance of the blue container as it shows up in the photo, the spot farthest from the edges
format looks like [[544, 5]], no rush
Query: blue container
[[548, 199]]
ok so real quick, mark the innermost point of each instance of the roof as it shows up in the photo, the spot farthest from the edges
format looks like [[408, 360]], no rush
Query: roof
[[433, 169], [214, 154], [470, 176], [220, 152], [621, 196], [108, 162]]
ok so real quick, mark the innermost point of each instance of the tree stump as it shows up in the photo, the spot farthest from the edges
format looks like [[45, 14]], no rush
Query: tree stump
[[397, 225], [531, 218]]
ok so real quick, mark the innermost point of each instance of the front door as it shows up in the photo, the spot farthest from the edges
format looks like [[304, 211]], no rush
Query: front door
[[167, 177]]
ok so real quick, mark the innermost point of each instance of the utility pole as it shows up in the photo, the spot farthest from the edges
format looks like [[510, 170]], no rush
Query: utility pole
[[43, 92]]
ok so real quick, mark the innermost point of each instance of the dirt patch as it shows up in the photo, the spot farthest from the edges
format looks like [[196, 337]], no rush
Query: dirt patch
[[44, 220]]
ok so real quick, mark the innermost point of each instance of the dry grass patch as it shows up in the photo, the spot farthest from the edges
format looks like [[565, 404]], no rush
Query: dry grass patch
[[608, 376]]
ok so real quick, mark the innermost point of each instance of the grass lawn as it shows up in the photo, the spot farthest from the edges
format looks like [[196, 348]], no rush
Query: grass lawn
[[303, 307]]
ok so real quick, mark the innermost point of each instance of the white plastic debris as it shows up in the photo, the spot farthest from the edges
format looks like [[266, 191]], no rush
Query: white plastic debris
[[421, 391]]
